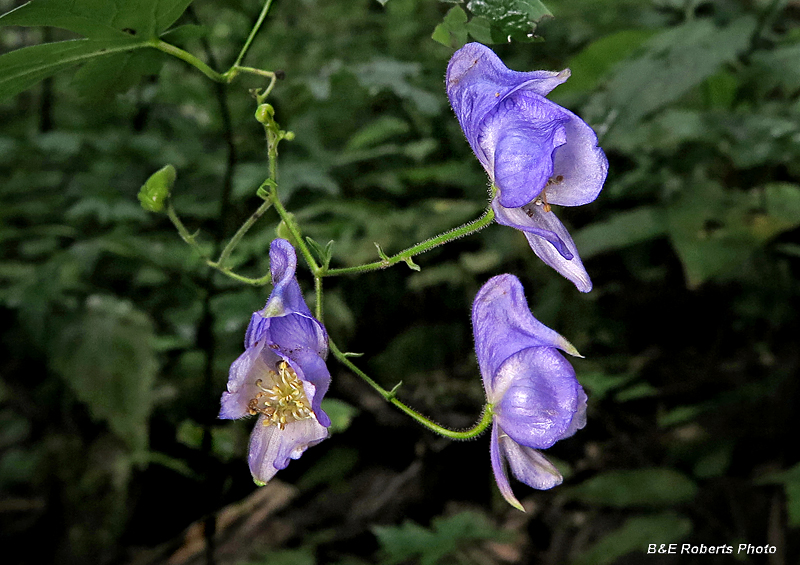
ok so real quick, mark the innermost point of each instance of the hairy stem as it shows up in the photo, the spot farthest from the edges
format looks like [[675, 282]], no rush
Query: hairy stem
[[389, 395], [427, 245]]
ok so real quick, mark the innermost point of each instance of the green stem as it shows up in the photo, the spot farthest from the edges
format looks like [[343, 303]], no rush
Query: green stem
[[389, 395], [427, 245], [318, 293], [291, 225], [261, 281], [253, 33], [170, 49], [184, 233], [192, 241], [240, 233]]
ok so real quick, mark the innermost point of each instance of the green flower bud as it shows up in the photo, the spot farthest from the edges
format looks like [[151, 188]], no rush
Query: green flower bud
[[157, 188], [283, 232], [264, 113]]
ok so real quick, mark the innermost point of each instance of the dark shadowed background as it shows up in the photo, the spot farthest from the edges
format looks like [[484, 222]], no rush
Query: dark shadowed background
[[116, 339]]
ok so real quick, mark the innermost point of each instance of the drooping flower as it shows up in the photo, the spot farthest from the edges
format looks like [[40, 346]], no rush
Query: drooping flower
[[531, 388], [535, 152], [281, 376]]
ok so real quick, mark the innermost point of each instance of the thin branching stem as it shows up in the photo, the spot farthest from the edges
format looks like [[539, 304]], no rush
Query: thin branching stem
[[390, 396], [427, 245], [261, 17]]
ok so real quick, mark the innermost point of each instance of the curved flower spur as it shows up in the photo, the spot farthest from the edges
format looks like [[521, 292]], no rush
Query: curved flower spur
[[281, 376], [531, 388], [535, 152]]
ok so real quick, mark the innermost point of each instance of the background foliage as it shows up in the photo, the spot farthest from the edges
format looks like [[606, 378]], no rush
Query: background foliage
[[116, 338]]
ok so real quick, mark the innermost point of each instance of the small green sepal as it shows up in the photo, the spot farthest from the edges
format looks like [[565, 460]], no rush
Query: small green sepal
[[266, 188], [384, 257], [411, 265], [395, 388], [323, 253]]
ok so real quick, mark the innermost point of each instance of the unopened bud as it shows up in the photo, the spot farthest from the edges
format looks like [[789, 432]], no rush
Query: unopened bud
[[264, 113], [157, 188]]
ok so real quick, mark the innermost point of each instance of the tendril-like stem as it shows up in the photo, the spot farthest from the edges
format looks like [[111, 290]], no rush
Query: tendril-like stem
[[390, 396], [427, 245]]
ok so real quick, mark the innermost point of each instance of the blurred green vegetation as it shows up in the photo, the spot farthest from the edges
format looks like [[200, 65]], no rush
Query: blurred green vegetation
[[116, 338]]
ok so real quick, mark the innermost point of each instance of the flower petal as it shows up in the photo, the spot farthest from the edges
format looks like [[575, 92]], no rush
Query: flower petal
[[523, 219], [499, 469], [271, 448], [579, 420], [528, 465], [536, 397], [243, 374], [519, 139], [286, 297], [503, 325], [296, 332], [477, 80], [312, 369], [579, 164], [548, 238]]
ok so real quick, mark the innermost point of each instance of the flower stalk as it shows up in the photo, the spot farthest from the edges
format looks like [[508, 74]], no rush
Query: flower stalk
[[390, 396]]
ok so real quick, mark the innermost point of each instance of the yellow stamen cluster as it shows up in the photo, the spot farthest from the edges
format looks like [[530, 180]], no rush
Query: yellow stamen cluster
[[283, 402]]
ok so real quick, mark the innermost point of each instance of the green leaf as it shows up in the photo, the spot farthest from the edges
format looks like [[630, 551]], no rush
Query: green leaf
[[600, 384], [778, 67], [341, 414], [641, 487], [621, 230], [599, 58], [452, 31], [714, 461], [791, 483], [634, 535], [680, 415], [398, 77], [25, 67], [183, 33], [103, 77], [376, 132], [633, 392], [484, 31], [107, 357], [110, 27], [714, 230], [447, 536], [98, 19], [675, 61], [516, 19]]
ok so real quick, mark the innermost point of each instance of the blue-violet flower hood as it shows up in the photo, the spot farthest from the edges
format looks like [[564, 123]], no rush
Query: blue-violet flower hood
[[535, 152], [281, 376], [531, 388]]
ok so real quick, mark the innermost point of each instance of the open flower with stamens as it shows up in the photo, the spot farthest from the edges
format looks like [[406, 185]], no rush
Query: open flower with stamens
[[535, 152], [531, 388], [281, 376]]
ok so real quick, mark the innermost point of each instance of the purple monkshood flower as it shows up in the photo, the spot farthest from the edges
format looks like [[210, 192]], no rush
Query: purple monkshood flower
[[281, 376], [535, 152], [531, 388]]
